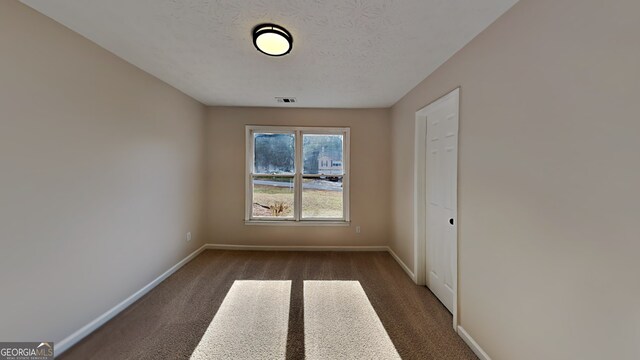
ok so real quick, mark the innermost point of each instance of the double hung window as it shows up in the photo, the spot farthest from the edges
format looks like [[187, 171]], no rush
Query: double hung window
[[297, 175]]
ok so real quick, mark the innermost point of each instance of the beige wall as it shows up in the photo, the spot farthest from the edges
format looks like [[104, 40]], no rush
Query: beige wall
[[549, 180], [100, 177], [101, 168], [370, 179]]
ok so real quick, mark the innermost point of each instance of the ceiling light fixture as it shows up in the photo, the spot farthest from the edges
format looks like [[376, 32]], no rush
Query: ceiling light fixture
[[272, 40]]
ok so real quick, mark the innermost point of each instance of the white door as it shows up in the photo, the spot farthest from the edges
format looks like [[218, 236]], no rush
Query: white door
[[442, 180]]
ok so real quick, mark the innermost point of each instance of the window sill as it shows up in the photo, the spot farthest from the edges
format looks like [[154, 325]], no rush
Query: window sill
[[297, 223]]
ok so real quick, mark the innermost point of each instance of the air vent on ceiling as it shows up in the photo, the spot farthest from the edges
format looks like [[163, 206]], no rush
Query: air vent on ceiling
[[286, 100]]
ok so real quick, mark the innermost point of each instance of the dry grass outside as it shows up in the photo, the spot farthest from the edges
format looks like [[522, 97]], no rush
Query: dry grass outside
[[268, 196], [315, 203], [321, 204]]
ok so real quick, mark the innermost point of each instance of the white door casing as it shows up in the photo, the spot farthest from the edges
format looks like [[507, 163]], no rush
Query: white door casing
[[436, 198]]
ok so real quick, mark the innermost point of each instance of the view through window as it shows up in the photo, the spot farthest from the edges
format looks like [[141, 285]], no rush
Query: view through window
[[297, 174]]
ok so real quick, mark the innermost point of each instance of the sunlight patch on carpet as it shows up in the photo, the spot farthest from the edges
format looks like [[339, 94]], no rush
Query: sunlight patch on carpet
[[340, 323], [252, 323]]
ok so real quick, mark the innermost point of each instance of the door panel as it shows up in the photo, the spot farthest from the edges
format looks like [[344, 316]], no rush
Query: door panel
[[442, 167]]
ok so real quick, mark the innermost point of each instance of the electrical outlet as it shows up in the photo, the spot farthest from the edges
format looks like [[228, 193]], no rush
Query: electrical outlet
[[358, 229], [189, 236]]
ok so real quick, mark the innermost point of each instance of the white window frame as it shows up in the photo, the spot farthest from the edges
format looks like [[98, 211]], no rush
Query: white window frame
[[297, 175]]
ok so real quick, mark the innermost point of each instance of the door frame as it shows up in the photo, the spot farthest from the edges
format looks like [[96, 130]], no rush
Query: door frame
[[420, 200]]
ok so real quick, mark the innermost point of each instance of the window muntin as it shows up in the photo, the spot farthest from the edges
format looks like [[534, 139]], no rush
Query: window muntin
[[297, 174]]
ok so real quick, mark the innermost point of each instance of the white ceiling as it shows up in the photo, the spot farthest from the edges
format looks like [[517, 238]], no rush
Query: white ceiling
[[346, 53]]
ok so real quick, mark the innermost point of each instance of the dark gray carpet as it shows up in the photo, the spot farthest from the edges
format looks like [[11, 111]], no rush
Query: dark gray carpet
[[169, 321]]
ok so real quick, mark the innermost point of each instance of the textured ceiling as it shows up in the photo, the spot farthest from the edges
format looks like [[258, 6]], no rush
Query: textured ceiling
[[349, 53]]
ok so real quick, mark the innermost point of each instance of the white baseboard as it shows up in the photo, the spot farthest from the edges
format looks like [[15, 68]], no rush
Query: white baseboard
[[295, 248], [472, 344], [69, 341], [402, 264]]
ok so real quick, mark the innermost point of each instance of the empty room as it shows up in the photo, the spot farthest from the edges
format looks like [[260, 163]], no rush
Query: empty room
[[305, 179]]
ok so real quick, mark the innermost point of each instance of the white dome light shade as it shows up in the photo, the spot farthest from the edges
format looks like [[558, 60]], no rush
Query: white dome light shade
[[272, 44], [272, 40]]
